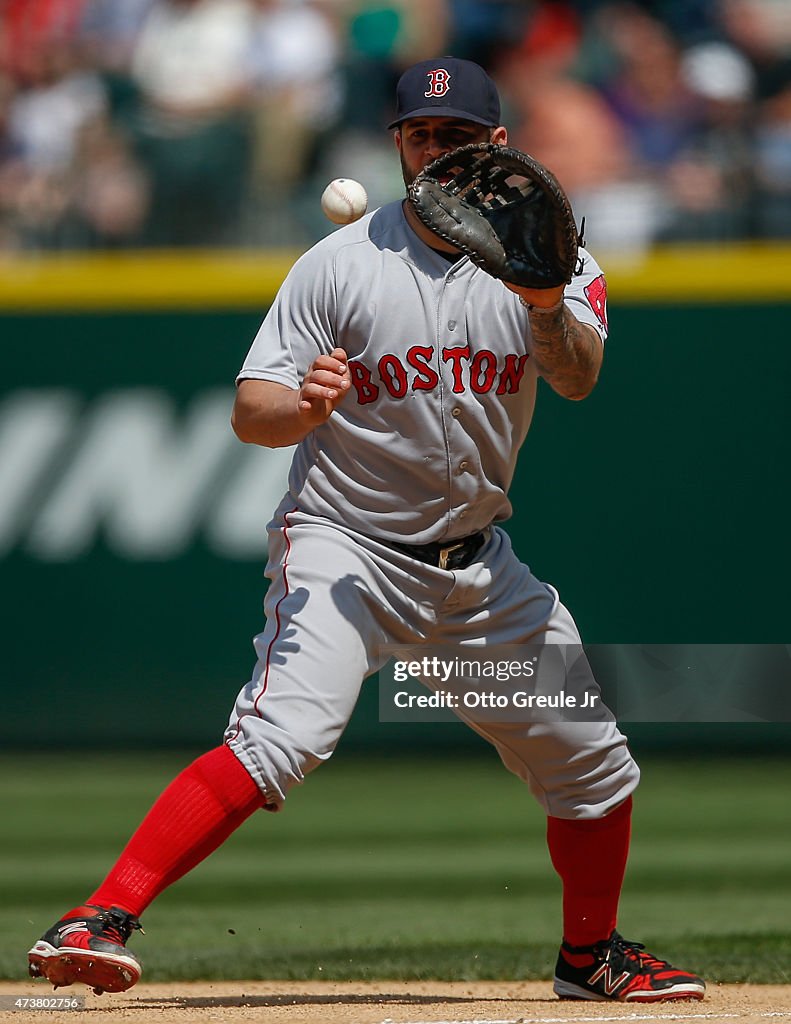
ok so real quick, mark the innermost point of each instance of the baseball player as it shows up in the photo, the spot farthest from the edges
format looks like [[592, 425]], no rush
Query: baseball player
[[406, 376]]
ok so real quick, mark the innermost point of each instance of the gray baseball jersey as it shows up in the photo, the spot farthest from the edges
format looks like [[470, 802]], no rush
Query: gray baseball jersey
[[444, 386], [422, 449]]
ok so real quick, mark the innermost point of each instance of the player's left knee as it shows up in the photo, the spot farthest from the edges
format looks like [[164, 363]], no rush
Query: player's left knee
[[597, 790]]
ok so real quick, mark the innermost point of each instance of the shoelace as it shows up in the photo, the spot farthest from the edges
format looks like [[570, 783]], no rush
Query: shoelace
[[118, 926], [634, 951]]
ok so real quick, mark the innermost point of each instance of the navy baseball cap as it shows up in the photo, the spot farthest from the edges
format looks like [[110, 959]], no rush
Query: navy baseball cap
[[447, 87]]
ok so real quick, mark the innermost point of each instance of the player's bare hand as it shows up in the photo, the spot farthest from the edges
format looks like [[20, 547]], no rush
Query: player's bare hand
[[326, 383]]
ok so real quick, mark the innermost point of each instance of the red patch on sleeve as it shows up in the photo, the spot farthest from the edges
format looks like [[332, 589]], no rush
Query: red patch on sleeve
[[596, 294]]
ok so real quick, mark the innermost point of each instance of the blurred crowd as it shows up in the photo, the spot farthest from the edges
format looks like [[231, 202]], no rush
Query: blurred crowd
[[132, 123]]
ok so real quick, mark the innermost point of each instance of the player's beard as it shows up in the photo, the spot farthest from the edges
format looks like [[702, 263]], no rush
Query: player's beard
[[407, 172]]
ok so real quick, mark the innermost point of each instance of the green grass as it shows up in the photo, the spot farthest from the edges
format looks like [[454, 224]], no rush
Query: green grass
[[399, 868]]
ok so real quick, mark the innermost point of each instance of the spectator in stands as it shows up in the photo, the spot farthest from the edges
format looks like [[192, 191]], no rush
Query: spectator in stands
[[111, 193], [773, 166], [710, 185], [647, 91], [294, 55], [567, 125], [12, 169], [379, 39], [194, 129], [761, 30], [382, 37], [108, 31], [480, 30], [161, 122], [45, 120], [31, 26]]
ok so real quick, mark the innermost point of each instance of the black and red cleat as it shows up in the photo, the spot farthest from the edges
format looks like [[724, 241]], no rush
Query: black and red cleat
[[621, 970], [88, 945]]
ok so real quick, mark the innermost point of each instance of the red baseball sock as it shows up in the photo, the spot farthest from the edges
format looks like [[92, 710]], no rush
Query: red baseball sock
[[590, 857], [195, 814]]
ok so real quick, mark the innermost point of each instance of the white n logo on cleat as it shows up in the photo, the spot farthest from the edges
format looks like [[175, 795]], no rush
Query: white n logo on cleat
[[73, 926], [611, 985]]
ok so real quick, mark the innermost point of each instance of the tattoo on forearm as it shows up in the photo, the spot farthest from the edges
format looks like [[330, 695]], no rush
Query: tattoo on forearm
[[568, 353]]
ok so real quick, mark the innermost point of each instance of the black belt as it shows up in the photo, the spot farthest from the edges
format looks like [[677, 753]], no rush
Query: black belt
[[457, 554]]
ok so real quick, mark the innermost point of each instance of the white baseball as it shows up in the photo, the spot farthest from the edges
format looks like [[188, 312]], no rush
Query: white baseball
[[344, 201]]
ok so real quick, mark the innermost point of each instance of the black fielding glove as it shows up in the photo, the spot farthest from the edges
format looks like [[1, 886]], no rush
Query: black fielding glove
[[505, 210]]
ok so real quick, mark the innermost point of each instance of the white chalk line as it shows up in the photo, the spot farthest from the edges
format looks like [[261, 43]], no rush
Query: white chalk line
[[601, 1020]]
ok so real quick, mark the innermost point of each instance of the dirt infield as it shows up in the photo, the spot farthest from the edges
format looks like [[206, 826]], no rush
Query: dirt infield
[[274, 1002]]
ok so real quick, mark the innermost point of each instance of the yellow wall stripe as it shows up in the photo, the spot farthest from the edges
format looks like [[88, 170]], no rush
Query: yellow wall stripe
[[234, 279], [143, 280], [747, 272]]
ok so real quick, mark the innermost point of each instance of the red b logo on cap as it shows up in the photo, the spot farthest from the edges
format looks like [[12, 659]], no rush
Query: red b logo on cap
[[438, 82]]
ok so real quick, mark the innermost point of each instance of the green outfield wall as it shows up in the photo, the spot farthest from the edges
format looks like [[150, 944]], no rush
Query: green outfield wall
[[132, 535]]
